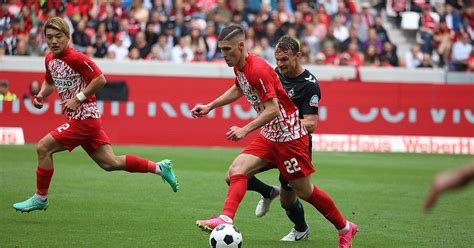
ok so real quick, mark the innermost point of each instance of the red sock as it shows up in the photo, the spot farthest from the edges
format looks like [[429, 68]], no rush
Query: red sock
[[325, 205], [235, 194], [137, 164], [43, 178]]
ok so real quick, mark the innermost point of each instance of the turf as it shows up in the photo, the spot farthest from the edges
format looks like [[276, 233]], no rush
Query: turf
[[89, 207]]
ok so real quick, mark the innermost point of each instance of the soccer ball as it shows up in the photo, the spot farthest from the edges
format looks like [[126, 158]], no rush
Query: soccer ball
[[226, 236]]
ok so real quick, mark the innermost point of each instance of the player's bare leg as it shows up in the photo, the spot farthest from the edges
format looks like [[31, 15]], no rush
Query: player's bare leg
[[295, 212], [325, 205], [45, 149], [241, 167], [104, 156]]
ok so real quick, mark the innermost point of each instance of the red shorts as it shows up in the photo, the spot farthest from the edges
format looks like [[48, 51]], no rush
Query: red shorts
[[292, 158], [87, 133]]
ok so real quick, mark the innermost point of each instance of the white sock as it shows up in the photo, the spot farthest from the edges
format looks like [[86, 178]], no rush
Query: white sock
[[345, 229], [158, 169], [226, 218], [41, 198]]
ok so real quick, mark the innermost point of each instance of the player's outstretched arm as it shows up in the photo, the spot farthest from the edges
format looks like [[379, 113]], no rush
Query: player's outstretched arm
[[229, 96], [447, 181], [47, 88]]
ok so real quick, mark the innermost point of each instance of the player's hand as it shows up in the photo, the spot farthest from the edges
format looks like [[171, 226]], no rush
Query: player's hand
[[38, 101], [441, 183], [71, 105], [200, 110], [236, 133]]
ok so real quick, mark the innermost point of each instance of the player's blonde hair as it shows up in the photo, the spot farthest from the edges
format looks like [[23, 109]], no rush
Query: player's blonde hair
[[57, 23]]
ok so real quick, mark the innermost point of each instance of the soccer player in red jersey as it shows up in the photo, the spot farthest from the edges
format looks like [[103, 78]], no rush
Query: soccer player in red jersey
[[283, 139], [77, 79]]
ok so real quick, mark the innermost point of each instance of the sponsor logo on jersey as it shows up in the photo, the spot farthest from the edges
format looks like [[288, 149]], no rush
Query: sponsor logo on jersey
[[314, 101], [311, 79], [62, 83]]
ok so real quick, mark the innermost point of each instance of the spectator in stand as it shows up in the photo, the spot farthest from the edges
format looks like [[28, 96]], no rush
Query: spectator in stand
[[80, 39], [389, 54], [140, 43], [319, 29], [9, 40], [100, 47], [272, 34], [426, 61], [352, 57], [89, 52], [5, 93], [381, 31], [443, 41], [162, 49], [102, 31], [171, 40], [452, 17], [362, 29], [134, 54], [331, 39], [150, 36], [268, 53], [127, 37], [180, 28], [460, 52], [352, 38], [140, 13], [340, 30], [367, 17], [157, 21], [305, 54], [320, 58], [27, 19], [221, 10], [399, 7], [34, 88], [109, 19], [120, 51], [370, 57], [210, 38], [330, 6], [374, 41], [199, 56], [342, 12], [21, 48], [196, 41], [76, 11], [470, 62], [330, 53], [182, 53], [468, 21], [312, 41], [413, 57], [427, 27]]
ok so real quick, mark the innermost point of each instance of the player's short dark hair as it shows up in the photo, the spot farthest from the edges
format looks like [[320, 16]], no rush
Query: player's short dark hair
[[231, 32], [286, 43]]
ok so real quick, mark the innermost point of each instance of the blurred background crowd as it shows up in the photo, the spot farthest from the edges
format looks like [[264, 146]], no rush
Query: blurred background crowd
[[331, 32]]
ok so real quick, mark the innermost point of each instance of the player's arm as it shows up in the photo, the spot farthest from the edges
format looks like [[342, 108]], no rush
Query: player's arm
[[47, 88], [268, 114], [95, 85], [447, 181], [310, 122], [229, 96]]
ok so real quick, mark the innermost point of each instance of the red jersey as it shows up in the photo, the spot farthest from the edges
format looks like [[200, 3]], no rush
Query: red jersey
[[71, 73], [259, 83]]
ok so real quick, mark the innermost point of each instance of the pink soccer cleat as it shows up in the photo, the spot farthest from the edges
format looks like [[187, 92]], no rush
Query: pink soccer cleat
[[345, 239], [209, 225]]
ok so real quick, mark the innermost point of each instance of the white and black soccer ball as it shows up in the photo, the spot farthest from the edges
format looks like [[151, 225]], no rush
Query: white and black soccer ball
[[225, 236]]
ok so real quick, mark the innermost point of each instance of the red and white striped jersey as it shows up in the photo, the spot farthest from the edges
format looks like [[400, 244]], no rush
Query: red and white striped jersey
[[259, 83], [71, 73]]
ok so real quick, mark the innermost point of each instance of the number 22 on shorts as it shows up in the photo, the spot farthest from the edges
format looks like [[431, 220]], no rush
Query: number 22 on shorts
[[292, 165], [63, 127]]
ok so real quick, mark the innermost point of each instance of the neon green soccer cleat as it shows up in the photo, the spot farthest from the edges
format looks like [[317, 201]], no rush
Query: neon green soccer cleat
[[30, 205], [167, 174]]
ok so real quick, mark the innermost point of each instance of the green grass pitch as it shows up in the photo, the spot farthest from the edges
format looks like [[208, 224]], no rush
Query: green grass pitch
[[89, 207]]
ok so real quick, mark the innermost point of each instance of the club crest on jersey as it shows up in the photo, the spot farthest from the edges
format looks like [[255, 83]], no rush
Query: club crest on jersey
[[62, 83], [291, 93], [314, 101], [311, 79]]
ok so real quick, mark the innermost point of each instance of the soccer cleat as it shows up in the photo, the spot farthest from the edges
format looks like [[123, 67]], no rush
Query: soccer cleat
[[209, 225], [167, 174], [30, 205], [296, 236], [263, 205], [345, 239]]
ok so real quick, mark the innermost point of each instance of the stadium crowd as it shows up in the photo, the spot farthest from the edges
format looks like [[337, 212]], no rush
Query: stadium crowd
[[331, 32]]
